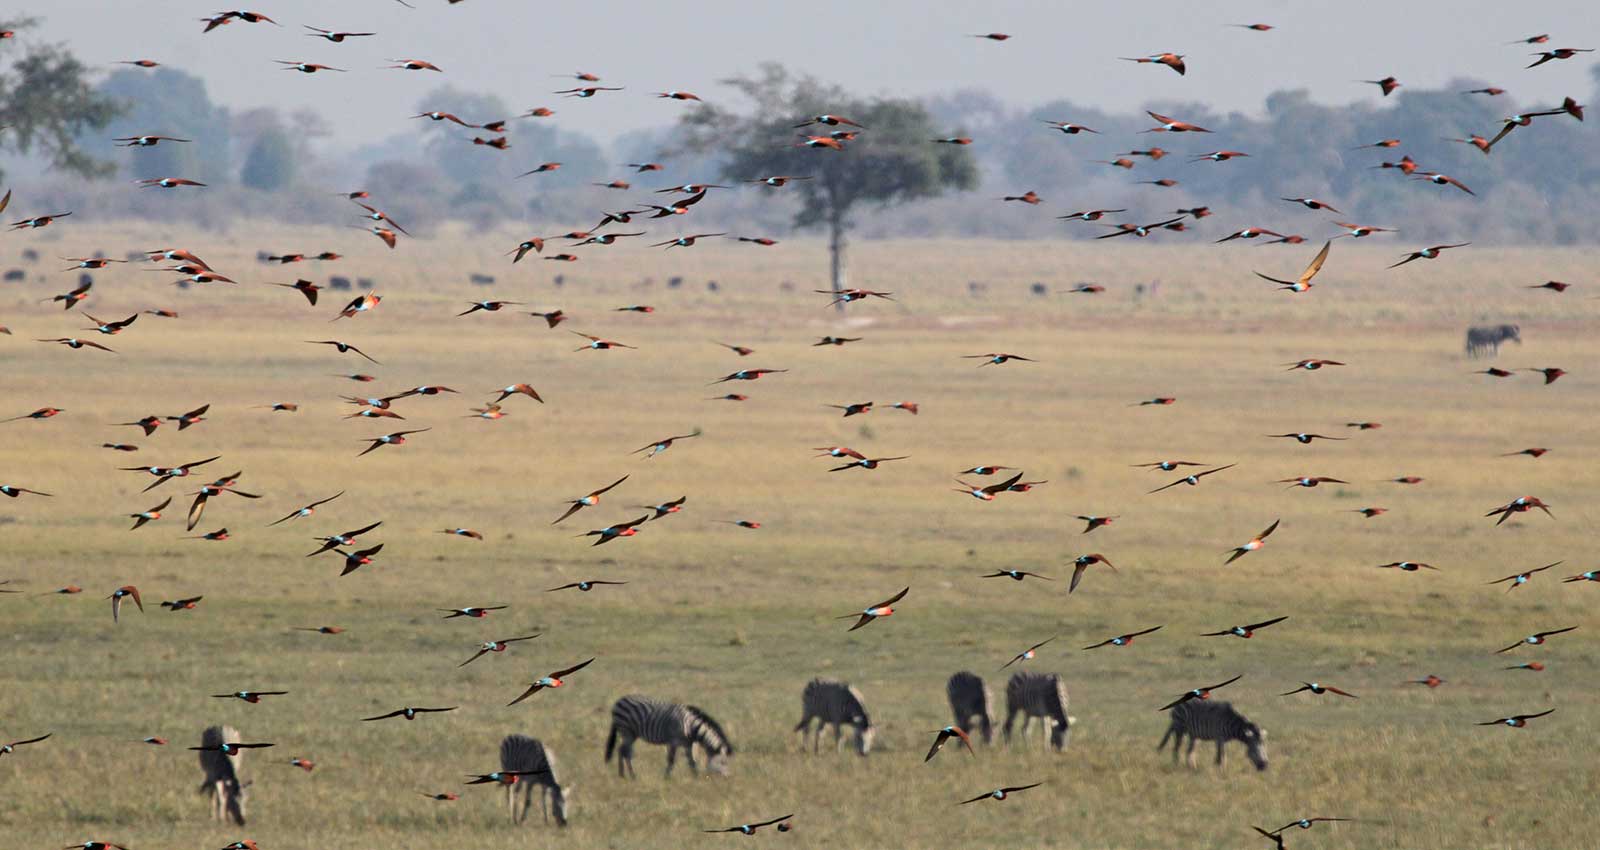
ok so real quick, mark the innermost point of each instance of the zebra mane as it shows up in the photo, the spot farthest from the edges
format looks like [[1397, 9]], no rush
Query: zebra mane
[[707, 723]]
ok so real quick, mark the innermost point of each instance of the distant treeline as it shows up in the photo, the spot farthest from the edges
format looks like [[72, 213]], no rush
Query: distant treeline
[[1538, 185]]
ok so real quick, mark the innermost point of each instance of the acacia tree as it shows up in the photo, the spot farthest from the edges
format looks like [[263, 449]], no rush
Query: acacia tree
[[46, 102], [893, 161]]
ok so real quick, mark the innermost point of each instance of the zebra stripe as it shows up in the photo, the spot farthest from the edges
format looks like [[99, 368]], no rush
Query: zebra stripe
[[969, 697], [635, 717], [1204, 720], [1481, 338], [520, 752], [832, 701], [228, 794], [1041, 695]]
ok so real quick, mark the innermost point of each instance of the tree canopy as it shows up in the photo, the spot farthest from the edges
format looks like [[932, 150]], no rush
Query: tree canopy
[[893, 160], [47, 103]]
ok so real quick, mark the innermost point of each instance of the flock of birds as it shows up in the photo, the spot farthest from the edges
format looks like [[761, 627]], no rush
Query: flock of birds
[[832, 135]]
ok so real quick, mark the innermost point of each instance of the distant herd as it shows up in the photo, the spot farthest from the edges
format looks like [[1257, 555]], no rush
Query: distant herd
[[527, 764]]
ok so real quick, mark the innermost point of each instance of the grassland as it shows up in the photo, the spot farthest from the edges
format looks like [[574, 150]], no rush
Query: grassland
[[737, 620]]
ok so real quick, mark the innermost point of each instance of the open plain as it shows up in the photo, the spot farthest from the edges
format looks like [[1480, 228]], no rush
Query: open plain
[[736, 620]]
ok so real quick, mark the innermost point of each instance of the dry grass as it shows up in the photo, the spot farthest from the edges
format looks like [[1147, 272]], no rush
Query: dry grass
[[736, 620]]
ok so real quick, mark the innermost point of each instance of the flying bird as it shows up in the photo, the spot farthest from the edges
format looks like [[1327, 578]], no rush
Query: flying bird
[[554, 680], [1245, 631], [882, 609]]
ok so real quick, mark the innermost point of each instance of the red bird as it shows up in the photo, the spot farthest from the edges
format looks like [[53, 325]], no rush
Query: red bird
[[1388, 84]]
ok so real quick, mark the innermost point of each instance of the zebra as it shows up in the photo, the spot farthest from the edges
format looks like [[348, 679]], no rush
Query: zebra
[[1481, 338], [1040, 695], [228, 794], [634, 717], [969, 698], [831, 701], [1214, 721], [522, 753]]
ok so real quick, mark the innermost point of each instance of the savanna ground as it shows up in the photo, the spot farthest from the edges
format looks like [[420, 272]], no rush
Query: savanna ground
[[736, 620]]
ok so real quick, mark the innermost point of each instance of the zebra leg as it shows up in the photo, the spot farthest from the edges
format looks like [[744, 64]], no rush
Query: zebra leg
[[987, 726], [544, 804], [838, 735], [672, 756], [511, 802], [1221, 744], [1005, 731], [688, 757], [1189, 759]]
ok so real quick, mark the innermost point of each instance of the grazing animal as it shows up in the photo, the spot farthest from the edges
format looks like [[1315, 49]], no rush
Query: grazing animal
[[1207, 720], [831, 701], [634, 717], [537, 766], [970, 698], [1487, 338], [1041, 695], [228, 793]]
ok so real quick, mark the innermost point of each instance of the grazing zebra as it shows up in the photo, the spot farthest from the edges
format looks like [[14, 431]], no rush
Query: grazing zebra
[[519, 752], [634, 717], [1481, 338], [1214, 721], [1040, 695], [831, 701], [969, 698], [228, 794]]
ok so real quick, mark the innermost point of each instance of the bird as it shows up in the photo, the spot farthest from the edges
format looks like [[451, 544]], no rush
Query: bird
[[229, 748], [1303, 282], [145, 142], [347, 538], [1016, 575], [500, 645], [873, 612], [996, 358], [11, 747], [554, 680], [1442, 180], [306, 511], [663, 444], [1001, 793], [499, 777], [611, 532], [1311, 365], [944, 735], [475, 612], [1200, 693], [1551, 373], [665, 508], [987, 493], [746, 375], [1255, 543], [598, 344], [750, 828], [343, 347], [356, 560], [588, 501], [1191, 480], [1171, 60], [1311, 481], [490, 306], [413, 65], [846, 296], [1587, 575], [1304, 438], [1245, 631], [1558, 53], [1430, 680], [1387, 84], [1028, 654], [1515, 721], [14, 492], [585, 586], [1084, 562], [1122, 640], [1407, 566], [306, 67], [1319, 689], [866, 463], [1095, 522], [251, 697], [1536, 639], [150, 515], [397, 438], [75, 343], [333, 36], [409, 713], [1169, 125], [1519, 579], [1429, 253], [1521, 504]]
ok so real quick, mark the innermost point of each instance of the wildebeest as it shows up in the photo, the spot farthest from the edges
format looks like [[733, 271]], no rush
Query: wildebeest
[[1482, 338]]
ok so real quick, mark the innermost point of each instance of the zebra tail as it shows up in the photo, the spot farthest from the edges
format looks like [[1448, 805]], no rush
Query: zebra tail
[[611, 741]]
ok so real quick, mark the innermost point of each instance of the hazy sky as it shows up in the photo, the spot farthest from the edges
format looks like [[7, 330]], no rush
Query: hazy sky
[[1060, 48]]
